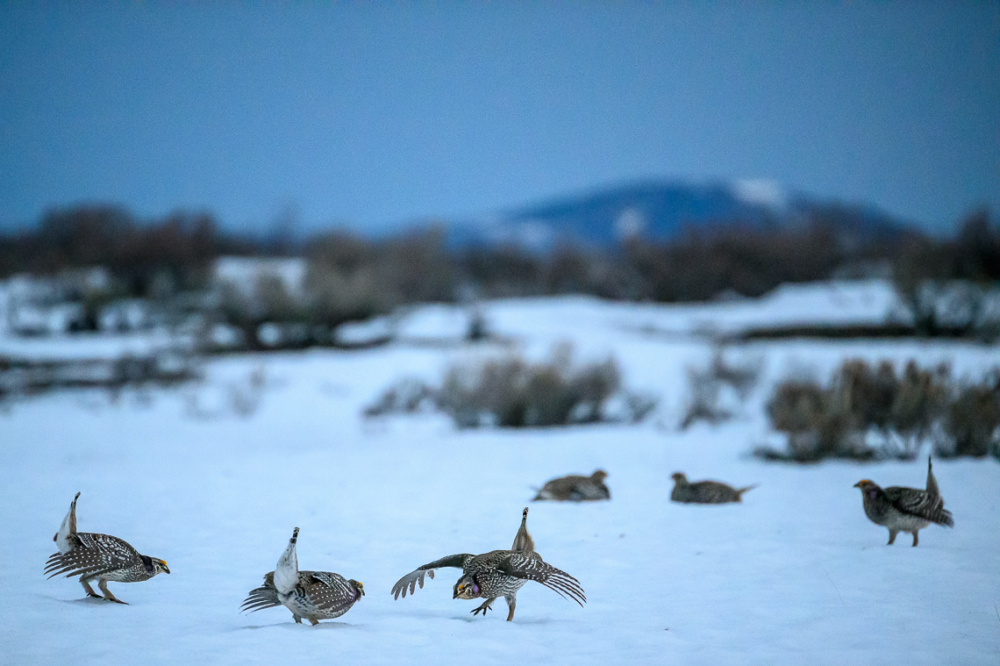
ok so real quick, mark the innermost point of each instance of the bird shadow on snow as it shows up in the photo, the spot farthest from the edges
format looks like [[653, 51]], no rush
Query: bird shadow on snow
[[326, 626], [469, 619], [534, 621], [83, 601]]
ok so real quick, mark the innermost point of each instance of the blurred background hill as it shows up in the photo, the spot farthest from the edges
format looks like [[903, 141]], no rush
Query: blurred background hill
[[246, 178]]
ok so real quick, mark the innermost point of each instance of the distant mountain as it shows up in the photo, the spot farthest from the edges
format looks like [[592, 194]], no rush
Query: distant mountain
[[662, 210]]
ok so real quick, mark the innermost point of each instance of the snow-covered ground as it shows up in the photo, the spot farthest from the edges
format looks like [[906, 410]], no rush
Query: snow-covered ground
[[794, 575]]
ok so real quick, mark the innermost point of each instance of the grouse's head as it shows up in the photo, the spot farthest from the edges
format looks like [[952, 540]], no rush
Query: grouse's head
[[466, 588], [359, 588], [599, 476], [154, 566], [679, 477], [868, 488]]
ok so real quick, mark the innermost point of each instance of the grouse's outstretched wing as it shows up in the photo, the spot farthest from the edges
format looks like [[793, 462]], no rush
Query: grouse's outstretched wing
[[91, 555], [530, 566], [330, 592], [416, 577]]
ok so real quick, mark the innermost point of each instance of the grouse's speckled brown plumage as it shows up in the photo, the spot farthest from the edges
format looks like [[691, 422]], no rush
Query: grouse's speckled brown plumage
[[902, 509], [705, 492], [498, 573], [313, 595], [576, 488], [99, 557]]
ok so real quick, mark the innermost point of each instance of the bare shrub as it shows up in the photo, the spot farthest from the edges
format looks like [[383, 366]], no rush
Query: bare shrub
[[407, 396], [816, 422], [832, 421], [478, 329], [495, 391], [510, 392], [706, 386], [245, 396], [636, 406], [921, 401], [352, 279], [972, 421], [948, 285]]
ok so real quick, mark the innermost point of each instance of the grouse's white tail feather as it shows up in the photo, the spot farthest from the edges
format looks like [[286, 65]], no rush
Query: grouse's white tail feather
[[286, 573], [64, 538]]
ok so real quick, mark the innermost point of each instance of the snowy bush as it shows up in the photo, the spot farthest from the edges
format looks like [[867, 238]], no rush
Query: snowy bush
[[869, 412], [511, 392], [716, 392], [972, 421], [407, 396]]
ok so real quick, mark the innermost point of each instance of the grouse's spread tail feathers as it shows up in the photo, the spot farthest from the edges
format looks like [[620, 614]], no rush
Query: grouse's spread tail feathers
[[265, 596], [557, 580]]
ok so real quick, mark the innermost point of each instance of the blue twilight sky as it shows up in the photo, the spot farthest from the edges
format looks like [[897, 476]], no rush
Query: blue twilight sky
[[370, 114]]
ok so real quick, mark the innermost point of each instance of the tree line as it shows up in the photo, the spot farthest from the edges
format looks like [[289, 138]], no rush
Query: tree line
[[420, 265]]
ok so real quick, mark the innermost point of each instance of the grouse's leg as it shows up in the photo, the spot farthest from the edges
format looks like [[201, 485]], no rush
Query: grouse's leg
[[486, 605], [107, 593], [89, 589], [916, 539], [892, 536], [511, 602]]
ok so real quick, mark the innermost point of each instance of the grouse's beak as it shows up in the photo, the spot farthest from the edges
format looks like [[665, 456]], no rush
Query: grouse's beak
[[361, 587], [861, 483], [164, 565]]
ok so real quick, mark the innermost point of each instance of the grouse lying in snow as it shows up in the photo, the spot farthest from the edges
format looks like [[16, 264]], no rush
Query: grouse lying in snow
[[576, 488], [705, 492]]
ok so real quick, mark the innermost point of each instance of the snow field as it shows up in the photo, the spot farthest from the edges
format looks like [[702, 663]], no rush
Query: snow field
[[794, 575]]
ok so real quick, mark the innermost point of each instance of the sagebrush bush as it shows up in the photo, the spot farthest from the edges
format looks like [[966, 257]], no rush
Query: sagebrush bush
[[511, 392], [515, 393], [406, 396], [905, 410], [816, 422], [705, 386], [972, 421]]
